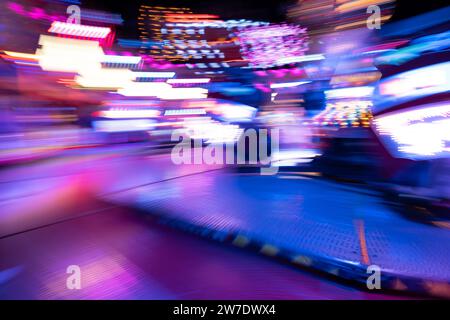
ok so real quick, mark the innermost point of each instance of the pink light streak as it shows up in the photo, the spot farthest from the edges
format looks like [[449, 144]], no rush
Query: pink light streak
[[188, 81], [264, 46]]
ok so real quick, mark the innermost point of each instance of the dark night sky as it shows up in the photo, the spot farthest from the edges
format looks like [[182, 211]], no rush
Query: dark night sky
[[267, 10]]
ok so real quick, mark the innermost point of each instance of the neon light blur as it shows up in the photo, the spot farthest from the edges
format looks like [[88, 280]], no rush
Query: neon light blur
[[344, 114], [128, 114], [356, 92], [121, 59], [183, 112], [288, 84], [104, 78], [154, 74], [78, 30], [144, 89], [123, 125], [68, 55], [305, 58], [263, 46], [211, 131], [161, 90], [236, 112], [184, 93], [423, 81]]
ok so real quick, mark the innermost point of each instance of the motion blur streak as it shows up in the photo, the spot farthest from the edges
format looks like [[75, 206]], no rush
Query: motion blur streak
[[316, 133]]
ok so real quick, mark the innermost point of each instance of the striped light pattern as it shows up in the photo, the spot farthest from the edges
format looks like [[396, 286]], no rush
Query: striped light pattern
[[79, 30]]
